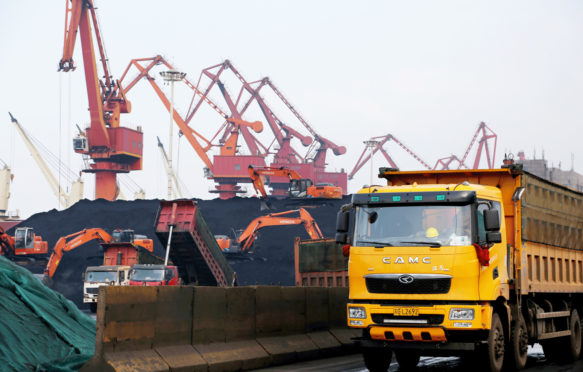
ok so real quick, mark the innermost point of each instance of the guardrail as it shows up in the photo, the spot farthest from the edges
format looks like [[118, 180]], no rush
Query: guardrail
[[217, 329]]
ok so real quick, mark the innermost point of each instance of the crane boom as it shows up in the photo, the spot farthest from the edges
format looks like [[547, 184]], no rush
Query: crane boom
[[64, 199], [113, 149], [169, 170], [379, 147]]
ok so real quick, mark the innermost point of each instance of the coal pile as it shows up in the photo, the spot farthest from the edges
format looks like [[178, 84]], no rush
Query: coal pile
[[271, 262]]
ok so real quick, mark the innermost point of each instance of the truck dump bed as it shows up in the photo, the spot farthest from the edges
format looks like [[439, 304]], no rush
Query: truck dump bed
[[128, 254], [320, 263], [194, 249], [546, 249]]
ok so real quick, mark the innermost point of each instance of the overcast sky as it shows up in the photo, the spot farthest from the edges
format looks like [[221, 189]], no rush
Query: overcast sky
[[426, 71]]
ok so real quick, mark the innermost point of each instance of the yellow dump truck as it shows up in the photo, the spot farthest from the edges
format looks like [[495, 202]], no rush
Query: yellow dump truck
[[464, 262]]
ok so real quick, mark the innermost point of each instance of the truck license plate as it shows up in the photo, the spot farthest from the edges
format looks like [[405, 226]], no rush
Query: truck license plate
[[406, 311]]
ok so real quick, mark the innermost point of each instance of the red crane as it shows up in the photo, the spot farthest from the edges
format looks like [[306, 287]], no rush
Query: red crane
[[229, 167], [113, 149], [381, 141], [445, 163], [225, 168], [487, 135]]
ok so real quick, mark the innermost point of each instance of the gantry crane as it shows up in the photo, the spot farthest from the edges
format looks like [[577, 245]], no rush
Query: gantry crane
[[378, 143], [487, 135], [65, 200], [114, 149], [227, 168]]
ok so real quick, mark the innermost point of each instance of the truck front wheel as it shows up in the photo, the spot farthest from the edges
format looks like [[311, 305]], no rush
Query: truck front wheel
[[407, 359], [377, 359], [93, 307], [492, 354]]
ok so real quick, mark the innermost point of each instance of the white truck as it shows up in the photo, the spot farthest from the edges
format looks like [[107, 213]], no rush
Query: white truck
[[97, 276]]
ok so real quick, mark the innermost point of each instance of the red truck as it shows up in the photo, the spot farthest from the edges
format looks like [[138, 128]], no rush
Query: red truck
[[154, 275]]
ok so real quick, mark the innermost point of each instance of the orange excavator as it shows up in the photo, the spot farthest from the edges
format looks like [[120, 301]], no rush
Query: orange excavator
[[72, 241], [299, 187], [246, 238], [24, 243]]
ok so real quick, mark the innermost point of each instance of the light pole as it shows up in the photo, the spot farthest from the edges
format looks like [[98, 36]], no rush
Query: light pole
[[171, 76], [372, 145]]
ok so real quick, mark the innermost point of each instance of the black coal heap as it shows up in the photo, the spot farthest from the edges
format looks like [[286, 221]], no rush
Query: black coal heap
[[271, 262]]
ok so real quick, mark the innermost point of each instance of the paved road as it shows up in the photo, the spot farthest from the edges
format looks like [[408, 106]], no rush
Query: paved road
[[353, 363]]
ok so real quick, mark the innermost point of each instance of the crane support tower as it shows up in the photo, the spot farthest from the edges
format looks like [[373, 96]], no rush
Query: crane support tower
[[114, 149]]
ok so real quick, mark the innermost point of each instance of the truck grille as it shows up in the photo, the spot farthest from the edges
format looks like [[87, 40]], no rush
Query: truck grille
[[421, 284], [94, 290], [390, 318]]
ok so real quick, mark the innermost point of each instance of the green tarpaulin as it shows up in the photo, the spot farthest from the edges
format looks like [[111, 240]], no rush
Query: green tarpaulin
[[40, 330]]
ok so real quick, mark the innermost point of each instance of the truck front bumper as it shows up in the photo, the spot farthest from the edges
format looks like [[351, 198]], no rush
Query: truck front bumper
[[421, 323], [89, 298]]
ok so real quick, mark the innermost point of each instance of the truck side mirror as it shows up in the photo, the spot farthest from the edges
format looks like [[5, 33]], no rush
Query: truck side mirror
[[83, 276], [493, 237], [491, 220], [342, 222]]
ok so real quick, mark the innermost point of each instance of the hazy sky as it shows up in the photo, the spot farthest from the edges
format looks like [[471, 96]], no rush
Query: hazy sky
[[425, 71]]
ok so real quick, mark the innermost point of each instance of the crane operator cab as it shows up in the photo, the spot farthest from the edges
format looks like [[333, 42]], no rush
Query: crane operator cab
[[122, 236], [24, 238], [299, 188]]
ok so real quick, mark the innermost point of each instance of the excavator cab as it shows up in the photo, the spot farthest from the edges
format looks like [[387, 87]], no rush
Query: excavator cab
[[122, 236], [298, 188], [24, 238]]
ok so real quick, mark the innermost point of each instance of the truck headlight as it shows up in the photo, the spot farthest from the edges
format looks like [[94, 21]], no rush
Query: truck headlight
[[357, 312], [461, 314]]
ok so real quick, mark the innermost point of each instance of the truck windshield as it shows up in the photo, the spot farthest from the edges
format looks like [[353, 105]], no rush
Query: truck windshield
[[101, 276], [147, 275], [413, 225]]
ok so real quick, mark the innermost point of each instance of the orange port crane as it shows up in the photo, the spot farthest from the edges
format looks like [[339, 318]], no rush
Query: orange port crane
[[114, 149], [72, 241], [225, 168], [299, 187], [245, 240]]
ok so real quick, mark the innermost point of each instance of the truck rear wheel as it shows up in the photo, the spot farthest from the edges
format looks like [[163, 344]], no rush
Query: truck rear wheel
[[565, 348], [407, 360], [518, 346], [573, 342], [377, 359], [492, 354]]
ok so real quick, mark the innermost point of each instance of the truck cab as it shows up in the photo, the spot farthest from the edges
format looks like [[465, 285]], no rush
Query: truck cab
[[97, 276], [154, 275], [426, 263]]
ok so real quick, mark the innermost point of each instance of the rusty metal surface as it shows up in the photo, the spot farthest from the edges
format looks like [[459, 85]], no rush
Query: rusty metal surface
[[552, 269], [551, 214]]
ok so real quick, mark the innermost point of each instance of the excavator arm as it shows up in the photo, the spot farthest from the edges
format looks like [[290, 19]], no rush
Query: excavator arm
[[70, 242], [256, 173], [248, 235]]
